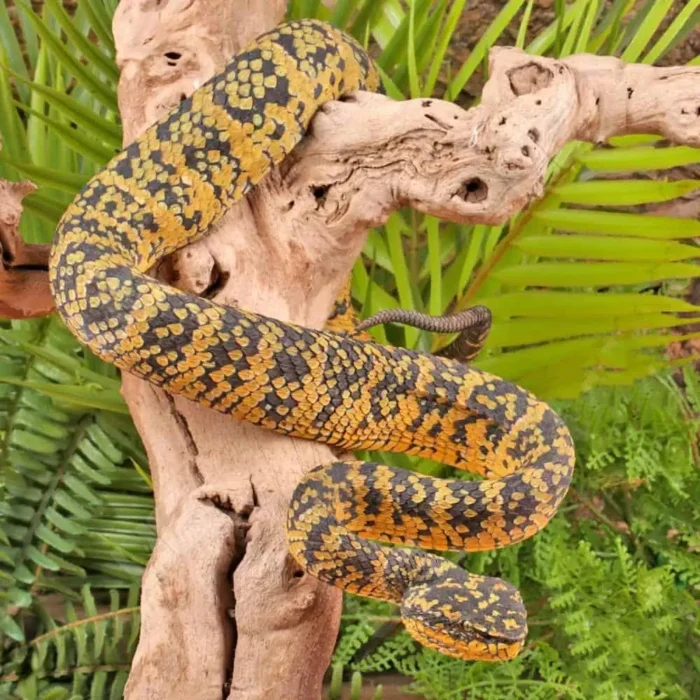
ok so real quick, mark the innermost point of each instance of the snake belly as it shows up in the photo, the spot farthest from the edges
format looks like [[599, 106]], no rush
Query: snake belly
[[166, 190]]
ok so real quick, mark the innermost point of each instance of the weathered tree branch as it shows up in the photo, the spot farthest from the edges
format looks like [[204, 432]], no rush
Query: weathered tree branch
[[24, 284], [285, 252], [285, 624], [583, 97]]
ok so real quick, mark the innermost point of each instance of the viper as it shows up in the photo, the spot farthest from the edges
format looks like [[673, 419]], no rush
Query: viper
[[336, 386]]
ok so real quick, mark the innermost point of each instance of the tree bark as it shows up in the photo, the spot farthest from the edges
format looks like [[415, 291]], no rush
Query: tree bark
[[286, 251], [24, 285], [271, 637]]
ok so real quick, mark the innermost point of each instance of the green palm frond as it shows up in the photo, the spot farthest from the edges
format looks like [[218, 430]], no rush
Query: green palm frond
[[576, 246], [59, 119], [72, 507]]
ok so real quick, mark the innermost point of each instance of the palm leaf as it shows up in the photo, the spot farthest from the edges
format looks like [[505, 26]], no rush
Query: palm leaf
[[610, 255], [104, 92], [73, 508]]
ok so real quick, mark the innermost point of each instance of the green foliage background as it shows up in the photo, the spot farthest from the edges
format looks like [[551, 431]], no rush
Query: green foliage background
[[583, 292]]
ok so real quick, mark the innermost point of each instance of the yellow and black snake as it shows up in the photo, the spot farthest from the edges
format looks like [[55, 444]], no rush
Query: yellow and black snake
[[165, 190]]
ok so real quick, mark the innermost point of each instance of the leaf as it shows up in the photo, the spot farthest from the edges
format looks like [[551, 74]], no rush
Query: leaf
[[20, 598], [83, 468], [392, 90], [542, 304], [460, 271], [605, 248], [547, 38], [342, 12], [81, 489], [578, 13], [494, 30], [79, 141], [49, 177], [395, 50], [618, 224], [44, 206], [587, 28], [32, 442], [86, 47], [36, 132], [401, 273], [70, 527], [593, 274], [651, 23], [96, 87], [54, 540], [12, 129], [620, 193], [526, 331], [524, 24], [365, 19], [73, 506], [9, 627], [11, 52], [23, 575], [100, 22], [683, 19], [70, 107], [435, 303], [59, 359], [425, 35], [81, 396], [446, 35], [45, 561], [633, 159], [415, 90], [373, 297]]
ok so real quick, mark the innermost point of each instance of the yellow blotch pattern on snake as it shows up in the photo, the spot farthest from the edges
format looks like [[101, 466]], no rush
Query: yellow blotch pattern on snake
[[166, 190]]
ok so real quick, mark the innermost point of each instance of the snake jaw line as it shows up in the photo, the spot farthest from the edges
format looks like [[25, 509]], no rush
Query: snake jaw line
[[468, 617], [474, 650], [166, 190]]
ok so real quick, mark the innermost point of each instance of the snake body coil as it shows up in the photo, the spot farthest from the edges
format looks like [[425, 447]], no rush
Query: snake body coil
[[164, 191]]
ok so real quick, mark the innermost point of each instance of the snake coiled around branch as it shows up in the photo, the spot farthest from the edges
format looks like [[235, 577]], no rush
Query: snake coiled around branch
[[166, 190]]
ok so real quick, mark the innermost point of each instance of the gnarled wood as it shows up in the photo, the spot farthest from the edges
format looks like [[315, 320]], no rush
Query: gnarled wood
[[24, 283], [283, 626], [285, 252]]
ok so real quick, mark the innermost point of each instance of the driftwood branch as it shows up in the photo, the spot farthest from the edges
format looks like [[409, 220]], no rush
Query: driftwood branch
[[583, 97], [24, 284], [286, 251], [272, 635]]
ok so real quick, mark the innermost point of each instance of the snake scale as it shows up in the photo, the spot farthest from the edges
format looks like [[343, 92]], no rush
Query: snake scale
[[166, 190]]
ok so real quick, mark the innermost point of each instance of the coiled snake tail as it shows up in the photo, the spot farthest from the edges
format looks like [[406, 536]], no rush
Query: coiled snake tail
[[487, 426], [472, 325]]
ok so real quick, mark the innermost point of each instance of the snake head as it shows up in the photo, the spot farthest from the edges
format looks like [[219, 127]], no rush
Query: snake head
[[469, 617]]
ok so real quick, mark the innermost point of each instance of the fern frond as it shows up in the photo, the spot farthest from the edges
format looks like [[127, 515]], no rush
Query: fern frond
[[80, 652]]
